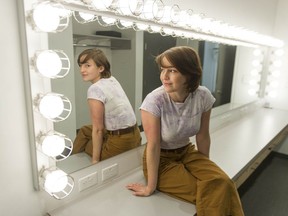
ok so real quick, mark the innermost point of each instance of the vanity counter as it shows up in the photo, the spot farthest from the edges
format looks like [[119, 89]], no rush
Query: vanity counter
[[235, 148]]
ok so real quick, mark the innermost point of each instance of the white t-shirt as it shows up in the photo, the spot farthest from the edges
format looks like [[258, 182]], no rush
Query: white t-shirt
[[179, 121], [119, 113]]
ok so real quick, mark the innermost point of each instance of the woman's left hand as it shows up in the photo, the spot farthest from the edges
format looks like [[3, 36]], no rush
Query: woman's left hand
[[140, 189]]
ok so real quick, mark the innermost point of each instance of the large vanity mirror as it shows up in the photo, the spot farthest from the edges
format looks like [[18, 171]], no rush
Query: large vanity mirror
[[226, 71], [132, 62]]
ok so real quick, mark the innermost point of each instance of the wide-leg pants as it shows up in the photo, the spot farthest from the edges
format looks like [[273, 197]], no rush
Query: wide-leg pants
[[193, 177], [112, 144]]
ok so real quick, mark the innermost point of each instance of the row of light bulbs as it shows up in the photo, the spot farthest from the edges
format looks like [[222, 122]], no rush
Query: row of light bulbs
[[149, 15], [273, 81], [54, 107]]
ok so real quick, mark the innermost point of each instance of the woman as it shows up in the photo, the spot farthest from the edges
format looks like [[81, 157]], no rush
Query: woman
[[172, 113], [114, 129]]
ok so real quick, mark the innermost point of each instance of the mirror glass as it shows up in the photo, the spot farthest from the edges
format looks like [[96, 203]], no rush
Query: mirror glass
[[131, 54]]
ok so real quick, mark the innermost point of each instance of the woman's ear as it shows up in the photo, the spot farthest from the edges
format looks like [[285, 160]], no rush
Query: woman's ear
[[101, 68]]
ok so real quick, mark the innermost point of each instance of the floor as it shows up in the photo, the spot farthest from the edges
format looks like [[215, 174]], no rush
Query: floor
[[265, 193]]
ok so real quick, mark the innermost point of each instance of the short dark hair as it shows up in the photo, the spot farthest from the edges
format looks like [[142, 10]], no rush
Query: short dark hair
[[98, 57], [187, 61]]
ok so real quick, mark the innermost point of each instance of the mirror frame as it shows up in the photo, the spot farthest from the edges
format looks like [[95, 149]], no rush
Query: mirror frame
[[34, 84]]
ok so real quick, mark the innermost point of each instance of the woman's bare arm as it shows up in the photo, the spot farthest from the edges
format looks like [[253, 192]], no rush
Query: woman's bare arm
[[97, 116], [151, 125], [203, 136]]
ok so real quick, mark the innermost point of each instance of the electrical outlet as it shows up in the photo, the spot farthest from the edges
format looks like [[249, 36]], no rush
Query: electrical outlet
[[88, 181], [109, 172]]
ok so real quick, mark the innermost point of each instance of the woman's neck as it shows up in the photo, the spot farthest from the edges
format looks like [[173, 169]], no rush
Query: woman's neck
[[179, 97]]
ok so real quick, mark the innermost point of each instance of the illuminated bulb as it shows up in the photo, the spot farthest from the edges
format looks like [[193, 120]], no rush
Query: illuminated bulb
[[254, 72], [155, 28], [252, 82], [122, 24], [106, 20], [100, 4], [153, 9], [252, 91], [277, 63], [257, 52], [275, 73], [184, 17], [272, 94], [86, 16], [274, 84], [45, 18], [53, 145], [55, 181], [140, 27], [279, 52], [256, 63], [130, 7], [166, 16], [51, 106], [167, 31], [48, 63]]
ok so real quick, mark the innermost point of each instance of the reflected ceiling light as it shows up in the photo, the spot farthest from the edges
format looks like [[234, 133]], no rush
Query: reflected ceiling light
[[56, 182], [49, 17], [51, 63], [55, 107], [83, 18], [55, 145]]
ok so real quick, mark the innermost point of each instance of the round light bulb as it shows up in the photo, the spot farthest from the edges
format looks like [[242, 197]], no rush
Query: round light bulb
[[86, 16], [53, 145], [48, 63], [51, 106], [46, 18], [56, 181], [252, 91]]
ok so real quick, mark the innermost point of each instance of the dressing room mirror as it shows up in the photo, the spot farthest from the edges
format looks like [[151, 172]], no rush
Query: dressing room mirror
[[226, 71]]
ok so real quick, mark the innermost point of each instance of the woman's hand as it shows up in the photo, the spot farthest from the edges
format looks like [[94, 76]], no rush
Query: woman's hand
[[140, 189]]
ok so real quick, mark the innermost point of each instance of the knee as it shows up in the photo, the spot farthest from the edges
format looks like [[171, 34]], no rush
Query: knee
[[225, 182]]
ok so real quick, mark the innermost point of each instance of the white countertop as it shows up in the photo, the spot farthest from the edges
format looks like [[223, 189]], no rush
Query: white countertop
[[232, 148]]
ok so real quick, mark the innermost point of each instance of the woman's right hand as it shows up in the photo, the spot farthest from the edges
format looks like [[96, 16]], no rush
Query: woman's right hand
[[140, 189]]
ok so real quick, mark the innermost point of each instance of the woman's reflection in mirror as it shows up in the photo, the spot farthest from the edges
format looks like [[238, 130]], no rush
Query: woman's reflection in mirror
[[114, 129], [171, 114]]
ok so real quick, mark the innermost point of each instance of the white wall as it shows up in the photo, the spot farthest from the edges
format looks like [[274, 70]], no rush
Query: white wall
[[17, 196]]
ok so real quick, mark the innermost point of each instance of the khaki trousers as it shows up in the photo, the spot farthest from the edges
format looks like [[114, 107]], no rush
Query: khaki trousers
[[112, 144], [191, 176]]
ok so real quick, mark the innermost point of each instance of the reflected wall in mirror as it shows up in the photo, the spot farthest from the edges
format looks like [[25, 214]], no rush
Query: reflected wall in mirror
[[129, 56]]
